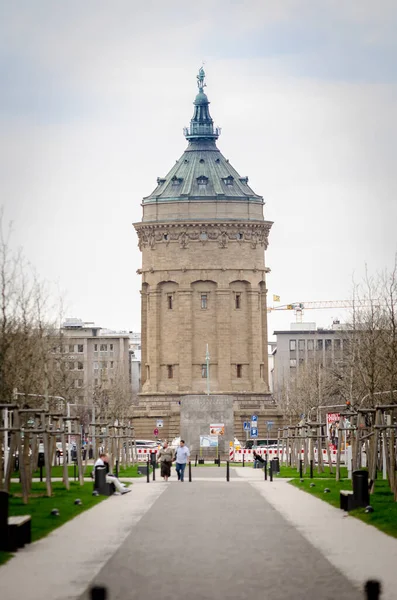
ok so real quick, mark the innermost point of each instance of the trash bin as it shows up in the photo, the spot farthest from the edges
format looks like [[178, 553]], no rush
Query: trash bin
[[40, 460], [276, 465], [153, 457], [360, 488]]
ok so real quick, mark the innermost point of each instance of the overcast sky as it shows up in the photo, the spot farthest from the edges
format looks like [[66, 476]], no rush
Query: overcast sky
[[94, 96]]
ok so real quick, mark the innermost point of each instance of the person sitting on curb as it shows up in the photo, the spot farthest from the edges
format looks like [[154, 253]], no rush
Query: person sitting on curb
[[103, 461], [258, 460]]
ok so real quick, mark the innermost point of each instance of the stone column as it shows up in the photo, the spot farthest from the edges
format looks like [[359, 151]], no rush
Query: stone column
[[185, 339], [144, 315], [265, 360], [256, 354], [254, 326], [153, 339], [223, 338]]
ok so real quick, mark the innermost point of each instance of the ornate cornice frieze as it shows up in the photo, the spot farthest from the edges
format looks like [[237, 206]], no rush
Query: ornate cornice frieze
[[151, 234]]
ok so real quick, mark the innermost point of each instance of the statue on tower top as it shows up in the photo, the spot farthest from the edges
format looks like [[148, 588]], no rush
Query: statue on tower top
[[200, 79]]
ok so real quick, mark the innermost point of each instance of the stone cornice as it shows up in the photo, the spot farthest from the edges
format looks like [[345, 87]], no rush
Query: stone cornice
[[254, 232]]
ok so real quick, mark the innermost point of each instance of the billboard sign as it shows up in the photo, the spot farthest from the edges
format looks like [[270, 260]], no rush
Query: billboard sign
[[208, 441], [217, 429]]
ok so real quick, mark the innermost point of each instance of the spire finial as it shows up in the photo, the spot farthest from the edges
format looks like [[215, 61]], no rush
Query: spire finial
[[200, 79]]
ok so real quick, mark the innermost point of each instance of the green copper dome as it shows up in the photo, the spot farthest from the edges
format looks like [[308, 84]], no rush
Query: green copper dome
[[202, 173], [201, 98]]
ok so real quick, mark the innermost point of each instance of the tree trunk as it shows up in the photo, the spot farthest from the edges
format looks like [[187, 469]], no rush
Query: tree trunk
[[339, 449], [79, 461], [392, 459], [47, 459], [7, 475], [65, 466], [34, 456], [22, 468], [373, 464], [331, 469], [320, 461]]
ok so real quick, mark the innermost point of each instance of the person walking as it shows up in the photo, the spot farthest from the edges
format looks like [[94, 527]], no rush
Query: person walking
[[182, 456], [165, 456]]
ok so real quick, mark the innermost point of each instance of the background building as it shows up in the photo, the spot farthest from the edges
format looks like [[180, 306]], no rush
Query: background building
[[303, 343], [97, 358], [203, 237]]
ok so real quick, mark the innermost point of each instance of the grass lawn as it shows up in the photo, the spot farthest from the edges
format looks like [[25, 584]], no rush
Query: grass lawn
[[292, 473], [40, 507], [58, 472], [384, 516]]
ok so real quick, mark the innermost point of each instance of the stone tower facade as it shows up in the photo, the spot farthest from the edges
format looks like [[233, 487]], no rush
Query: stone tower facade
[[203, 238]]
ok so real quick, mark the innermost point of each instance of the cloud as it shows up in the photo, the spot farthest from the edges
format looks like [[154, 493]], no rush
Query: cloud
[[93, 110]]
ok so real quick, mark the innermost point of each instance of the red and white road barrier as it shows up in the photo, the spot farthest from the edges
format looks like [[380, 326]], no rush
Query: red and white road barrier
[[231, 454], [273, 453], [143, 454]]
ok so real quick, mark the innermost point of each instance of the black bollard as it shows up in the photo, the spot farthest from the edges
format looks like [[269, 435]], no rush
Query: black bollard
[[147, 471], [311, 469], [190, 471], [301, 468], [98, 593], [372, 590], [195, 463], [227, 471], [270, 470], [265, 469], [74, 471], [41, 472], [219, 461], [243, 460], [117, 469], [154, 470]]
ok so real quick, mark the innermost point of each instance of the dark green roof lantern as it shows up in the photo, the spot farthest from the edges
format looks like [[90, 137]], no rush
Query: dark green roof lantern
[[201, 125]]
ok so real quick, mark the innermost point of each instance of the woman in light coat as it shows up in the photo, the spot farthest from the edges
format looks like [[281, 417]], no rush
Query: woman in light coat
[[165, 456]]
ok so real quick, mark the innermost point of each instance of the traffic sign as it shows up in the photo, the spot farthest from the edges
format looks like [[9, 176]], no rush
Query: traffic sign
[[254, 418], [247, 426], [155, 431], [254, 432], [270, 424]]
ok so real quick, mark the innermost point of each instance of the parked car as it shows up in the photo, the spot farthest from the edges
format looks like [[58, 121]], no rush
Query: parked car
[[259, 443], [59, 449], [146, 444]]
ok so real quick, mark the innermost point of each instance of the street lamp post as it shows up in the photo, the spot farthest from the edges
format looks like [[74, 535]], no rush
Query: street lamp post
[[207, 361]]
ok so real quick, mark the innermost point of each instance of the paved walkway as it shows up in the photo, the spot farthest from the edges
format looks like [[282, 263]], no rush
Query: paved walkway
[[206, 539]]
